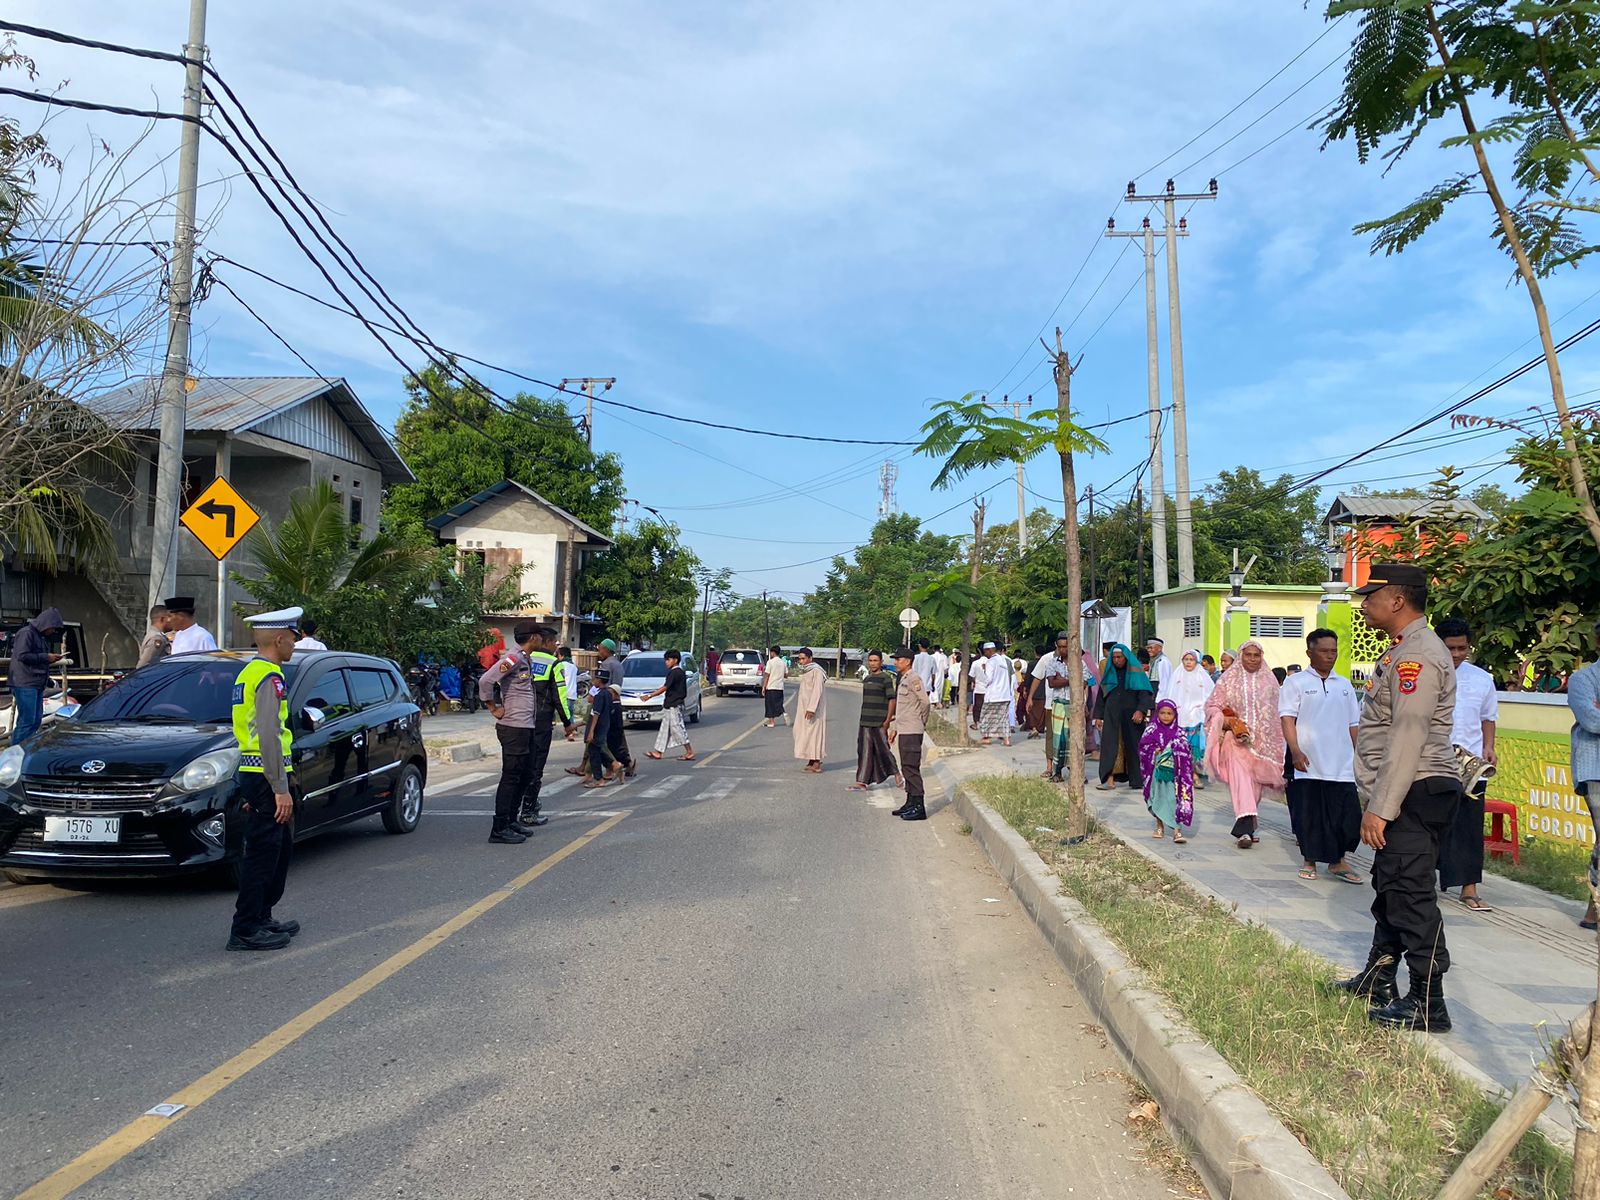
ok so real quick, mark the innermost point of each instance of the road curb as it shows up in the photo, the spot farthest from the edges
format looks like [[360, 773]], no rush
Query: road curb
[[1242, 1150], [460, 752]]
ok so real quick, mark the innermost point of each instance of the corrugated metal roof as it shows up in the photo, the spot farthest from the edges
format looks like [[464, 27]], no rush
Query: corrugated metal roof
[[438, 523], [238, 404], [1399, 507]]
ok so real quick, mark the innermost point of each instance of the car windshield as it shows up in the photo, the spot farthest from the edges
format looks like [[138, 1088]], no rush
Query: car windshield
[[644, 666], [748, 657], [200, 691]]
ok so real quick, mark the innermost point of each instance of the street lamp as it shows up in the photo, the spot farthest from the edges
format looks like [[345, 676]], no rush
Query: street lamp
[[1236, 581], [1333, 555]]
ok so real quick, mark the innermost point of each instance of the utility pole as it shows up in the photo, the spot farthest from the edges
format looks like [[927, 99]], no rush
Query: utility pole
[[966, 627], [1158, 486], [1092, 593], [1180, 419], [766, 620], [1016, 407], [588, 385], [1138, 591], [175, 383]]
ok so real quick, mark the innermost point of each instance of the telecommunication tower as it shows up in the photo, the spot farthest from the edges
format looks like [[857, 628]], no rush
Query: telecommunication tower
[[887, 478]]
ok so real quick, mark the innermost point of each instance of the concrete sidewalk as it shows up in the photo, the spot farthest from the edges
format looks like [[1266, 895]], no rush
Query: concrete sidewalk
[[1523, 966]]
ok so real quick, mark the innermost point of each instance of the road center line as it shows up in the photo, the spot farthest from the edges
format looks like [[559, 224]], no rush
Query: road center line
[[67, 1179], [712, 757]]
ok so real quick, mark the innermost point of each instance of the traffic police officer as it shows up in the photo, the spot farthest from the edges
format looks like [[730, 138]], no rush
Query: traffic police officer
[[550, 695], [1407, 777], [261, 728], [530, 695]]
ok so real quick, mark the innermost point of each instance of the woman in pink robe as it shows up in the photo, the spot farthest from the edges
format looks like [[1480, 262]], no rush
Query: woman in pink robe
[[1244, 737]]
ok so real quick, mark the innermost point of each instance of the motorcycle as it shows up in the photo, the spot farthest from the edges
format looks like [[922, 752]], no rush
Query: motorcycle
[[423, 679], [471, 673]]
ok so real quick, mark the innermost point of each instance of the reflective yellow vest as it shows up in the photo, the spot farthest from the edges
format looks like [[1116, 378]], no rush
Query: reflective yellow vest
[[244, 714]]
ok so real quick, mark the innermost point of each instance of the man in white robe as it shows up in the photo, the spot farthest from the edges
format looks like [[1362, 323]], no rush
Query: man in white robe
[[810, 723]]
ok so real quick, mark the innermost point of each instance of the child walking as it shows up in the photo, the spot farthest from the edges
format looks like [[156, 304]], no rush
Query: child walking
[[1168, 767]]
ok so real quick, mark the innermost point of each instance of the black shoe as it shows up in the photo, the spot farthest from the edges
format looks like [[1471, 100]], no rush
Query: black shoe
[[1375, 981], [531, 818], [509, 836], [289, 927], [261, 939], [1421, 1008], [525, 830], [915, 812], [902, 810]]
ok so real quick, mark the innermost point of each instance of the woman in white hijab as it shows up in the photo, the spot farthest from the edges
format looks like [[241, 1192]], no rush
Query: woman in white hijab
[[1189, 687]]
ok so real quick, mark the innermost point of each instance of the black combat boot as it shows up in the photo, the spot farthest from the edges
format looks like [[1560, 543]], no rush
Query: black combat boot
[[1420, 1008], [915, 811], [1375, 981], [901, 811], [530, 817], [508, 835]]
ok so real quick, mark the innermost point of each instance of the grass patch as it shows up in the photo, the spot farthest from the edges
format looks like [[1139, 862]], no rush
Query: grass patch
[[1387, 1121], [1561, 870], [944, 733]]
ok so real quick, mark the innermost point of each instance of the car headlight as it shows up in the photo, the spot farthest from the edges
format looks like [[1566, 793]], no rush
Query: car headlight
[[11, 765], [207, 771]]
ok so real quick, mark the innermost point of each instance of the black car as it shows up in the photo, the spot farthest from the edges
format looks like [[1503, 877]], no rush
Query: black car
[[143, 781]]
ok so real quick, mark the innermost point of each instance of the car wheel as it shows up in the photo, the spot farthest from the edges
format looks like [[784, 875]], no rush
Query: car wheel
[[405, 809], [721, 692], [20, 879]]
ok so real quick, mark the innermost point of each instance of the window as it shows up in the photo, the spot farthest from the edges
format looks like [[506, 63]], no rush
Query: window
[[1191, 628], [1278, 627], [332, 695], [371, 686], [355, 512]]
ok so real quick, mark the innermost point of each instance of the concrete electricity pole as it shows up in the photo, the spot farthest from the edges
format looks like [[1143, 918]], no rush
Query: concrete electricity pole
[[175, 372], [1180, 419], [1158, 486], [1016, 407], [588, 386]]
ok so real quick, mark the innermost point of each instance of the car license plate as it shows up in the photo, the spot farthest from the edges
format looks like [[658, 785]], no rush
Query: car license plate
[[82, 829], [637, 714]]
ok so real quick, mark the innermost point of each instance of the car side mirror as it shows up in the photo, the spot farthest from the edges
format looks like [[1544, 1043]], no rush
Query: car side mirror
[[313, 718]]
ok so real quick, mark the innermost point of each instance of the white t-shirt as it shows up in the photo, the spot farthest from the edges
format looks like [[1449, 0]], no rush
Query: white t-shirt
[[1476, 703], [978, 672], [309, 643], [569, 676], [1048, 665], [1325, 710], [775, 671], [1000, 680], [955, 673], [193, 640], [922, 668]]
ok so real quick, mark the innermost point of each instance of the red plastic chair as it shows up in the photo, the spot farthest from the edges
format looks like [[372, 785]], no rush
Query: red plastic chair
[[1495, 841]]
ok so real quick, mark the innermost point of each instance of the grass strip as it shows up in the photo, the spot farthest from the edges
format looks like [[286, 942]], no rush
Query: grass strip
[[943, 732], [1560, 870], [1387, 1120]]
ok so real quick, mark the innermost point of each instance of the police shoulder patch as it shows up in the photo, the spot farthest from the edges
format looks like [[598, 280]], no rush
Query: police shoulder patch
[[277, 685], [1408, 673]]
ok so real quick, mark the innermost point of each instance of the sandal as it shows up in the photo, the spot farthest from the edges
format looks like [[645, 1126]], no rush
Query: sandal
[[1347, 875], [687, 758], [856, 787], [1309, 872], [1476, 903], [1160, 835], [1245, 843], [578, 771], [596, 783], [652, 754], [1179, 840]]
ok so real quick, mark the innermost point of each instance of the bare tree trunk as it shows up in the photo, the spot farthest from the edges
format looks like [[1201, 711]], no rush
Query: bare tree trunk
[[1077, 732], [966, 629], [1558, 394]]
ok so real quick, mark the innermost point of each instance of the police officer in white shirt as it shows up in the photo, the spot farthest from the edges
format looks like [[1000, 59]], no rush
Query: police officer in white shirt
[[1472, 730]]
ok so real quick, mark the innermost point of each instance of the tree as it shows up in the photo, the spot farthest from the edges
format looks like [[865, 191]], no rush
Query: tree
[[1270, 520], [459, 441], [643, 586], [394, 595], [1416, 61], [969, 436], [748, 620], [865, 591], [80, 297]]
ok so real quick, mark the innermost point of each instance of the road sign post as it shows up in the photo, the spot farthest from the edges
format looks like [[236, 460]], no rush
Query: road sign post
[[220, 518], [909, 618]]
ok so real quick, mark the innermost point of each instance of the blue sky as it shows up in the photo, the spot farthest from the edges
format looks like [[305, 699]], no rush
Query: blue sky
[[816, 217]]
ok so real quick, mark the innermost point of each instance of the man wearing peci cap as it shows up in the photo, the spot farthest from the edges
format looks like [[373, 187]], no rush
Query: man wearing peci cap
[[261, 729], [1406, 776], [187, 636]]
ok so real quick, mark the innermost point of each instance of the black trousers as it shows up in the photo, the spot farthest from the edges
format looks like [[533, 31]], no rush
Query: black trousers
[[516, 764], [1406, 907], [617, 742], [539, 753], [1120, 732], [773, 698], [1461, 847], [264, 869], [910, 747]]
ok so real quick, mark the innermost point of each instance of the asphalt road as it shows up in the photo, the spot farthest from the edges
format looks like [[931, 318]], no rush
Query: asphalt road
[[724, 979]]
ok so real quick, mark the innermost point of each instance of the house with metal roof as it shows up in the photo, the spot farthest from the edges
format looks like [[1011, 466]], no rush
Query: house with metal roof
[[510, 527], [1363, 526], [269, 437]]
